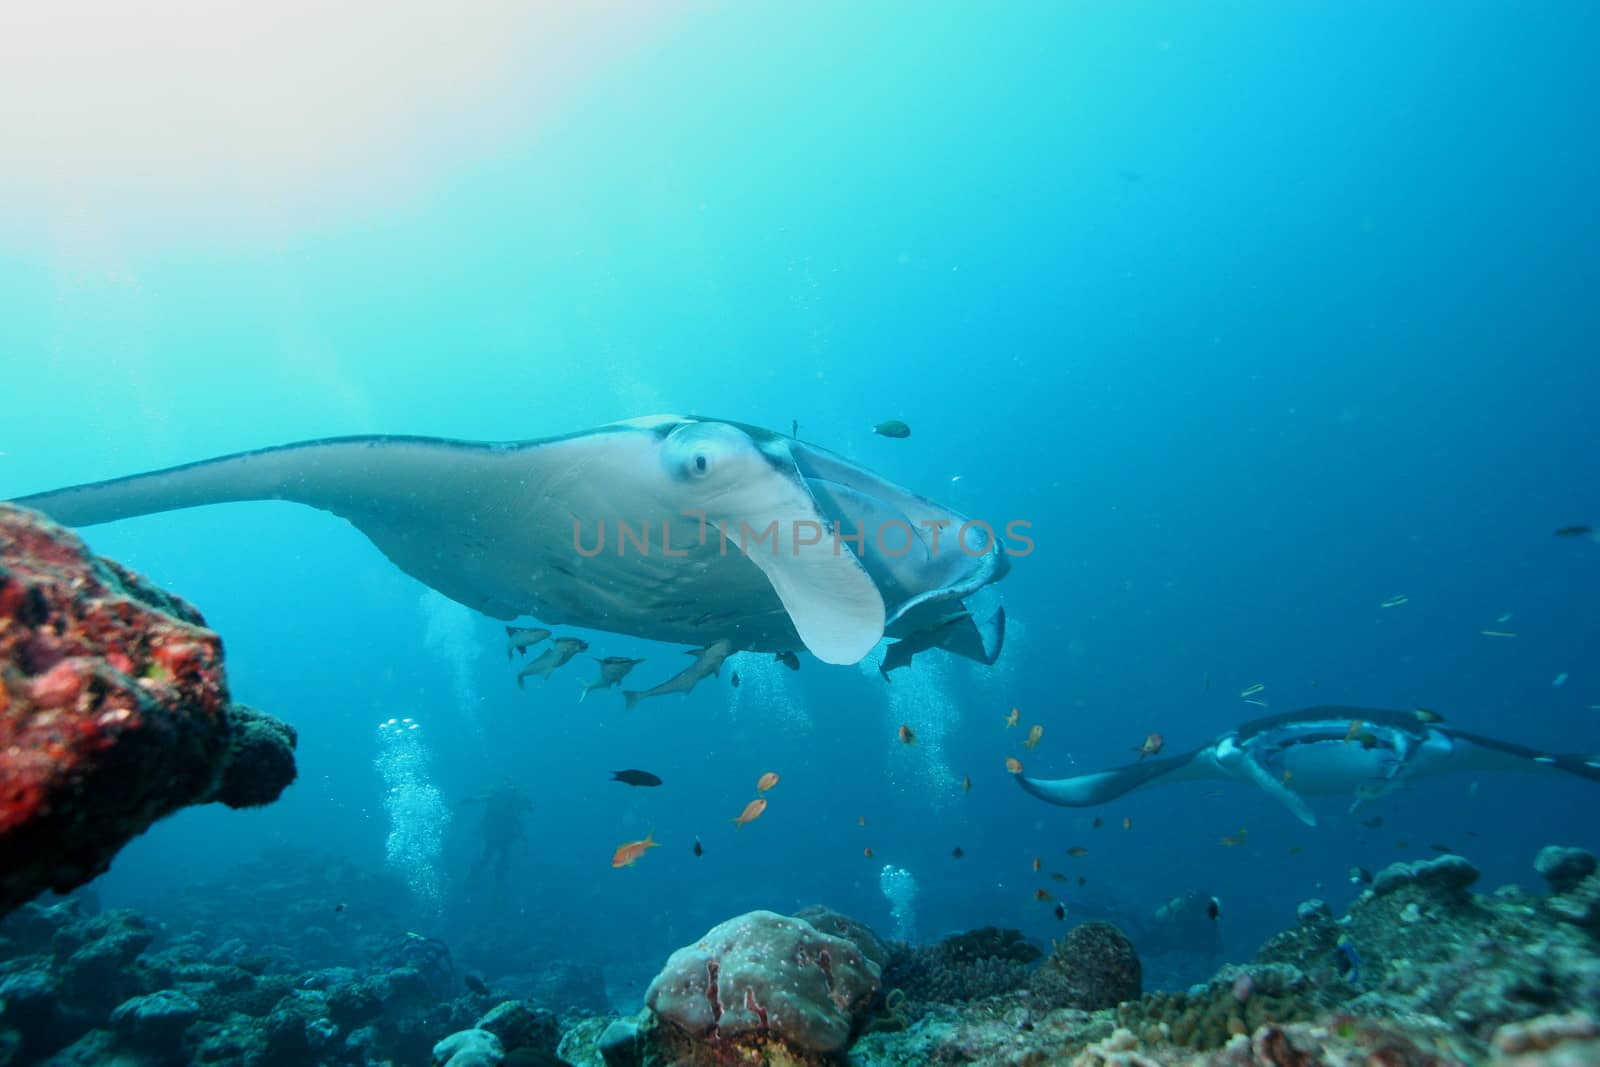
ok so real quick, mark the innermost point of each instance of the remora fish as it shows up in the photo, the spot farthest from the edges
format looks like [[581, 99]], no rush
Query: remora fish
[[708, 661], [560, 651], [612, 670], [521, 638]]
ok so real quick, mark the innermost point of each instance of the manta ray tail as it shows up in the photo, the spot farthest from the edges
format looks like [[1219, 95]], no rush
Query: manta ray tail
[[1098, 787]]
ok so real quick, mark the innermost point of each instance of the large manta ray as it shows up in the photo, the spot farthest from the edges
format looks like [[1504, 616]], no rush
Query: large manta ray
[[621, 528], [1361, 753]]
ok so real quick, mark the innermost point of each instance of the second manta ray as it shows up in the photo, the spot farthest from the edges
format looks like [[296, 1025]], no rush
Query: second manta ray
[[670, 528], [1361, 753]]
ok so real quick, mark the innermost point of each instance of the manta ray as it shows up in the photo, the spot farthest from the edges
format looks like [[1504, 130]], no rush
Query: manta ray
[[1361, 753], [671, 528]]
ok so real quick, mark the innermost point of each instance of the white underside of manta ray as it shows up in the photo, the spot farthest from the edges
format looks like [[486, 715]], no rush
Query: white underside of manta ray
[[512, 529], [1360, 753]]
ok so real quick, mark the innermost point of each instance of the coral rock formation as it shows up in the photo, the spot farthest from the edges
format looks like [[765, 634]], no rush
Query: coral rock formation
[[762, 979], [114, 712]]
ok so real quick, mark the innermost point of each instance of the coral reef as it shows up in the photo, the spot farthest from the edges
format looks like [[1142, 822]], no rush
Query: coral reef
[[969, 966], [1093, 967], [81, 987], [114, 712], [764, 979], [1505, 979]]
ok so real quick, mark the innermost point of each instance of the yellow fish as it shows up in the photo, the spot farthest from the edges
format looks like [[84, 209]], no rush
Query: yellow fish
[[752, 811]]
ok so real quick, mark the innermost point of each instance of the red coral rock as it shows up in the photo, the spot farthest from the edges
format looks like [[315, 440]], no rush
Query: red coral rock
[[113, 712]]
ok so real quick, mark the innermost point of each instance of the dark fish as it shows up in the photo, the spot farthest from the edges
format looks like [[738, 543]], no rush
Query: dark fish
[[338, 907], [892, 428], [1082, 881], [956, 853], [735, 679], [1098, 822], [475, 984], [1213, 909], [788, 659], [1446, 849], [794, 429], [635, 777], [698, 849], [1061, 911], [1373, 823], [1575, 531], [1360, 876]]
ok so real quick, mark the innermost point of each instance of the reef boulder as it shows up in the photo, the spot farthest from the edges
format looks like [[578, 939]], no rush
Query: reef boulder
[[765, 978], [114, 712], [1095, 966]]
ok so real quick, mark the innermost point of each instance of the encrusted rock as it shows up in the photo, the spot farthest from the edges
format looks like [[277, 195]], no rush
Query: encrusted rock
[[1545, 1032], [831, 922], [1314, 910], [619, 1044], [469, 1048], [519, 1025], [113, 712], [762, 977], [156, 1020], [1564, 868], [1448, 875], [1095, 966]]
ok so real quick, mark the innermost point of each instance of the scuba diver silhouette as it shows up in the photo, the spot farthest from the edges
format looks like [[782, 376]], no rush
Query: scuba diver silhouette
[[502, 829]]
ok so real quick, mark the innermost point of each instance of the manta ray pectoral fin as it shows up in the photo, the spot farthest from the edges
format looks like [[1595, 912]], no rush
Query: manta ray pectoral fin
[[1474, 752], [1098, 787]]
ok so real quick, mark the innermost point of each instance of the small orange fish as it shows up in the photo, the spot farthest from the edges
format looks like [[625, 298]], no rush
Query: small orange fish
[[1077, 852], [752, 811], [766, 781], [1042, 894], [1013, 765], [1057, 876], [1034, 733], [867, 852], [1038, 864], [906, 736], [628, 853], [1127, 823], [1013, 718], [1235, 840], [1152, 745], [966, 784]]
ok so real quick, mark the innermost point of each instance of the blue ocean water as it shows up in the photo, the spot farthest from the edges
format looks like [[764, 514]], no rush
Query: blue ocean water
[[1261, 316]]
